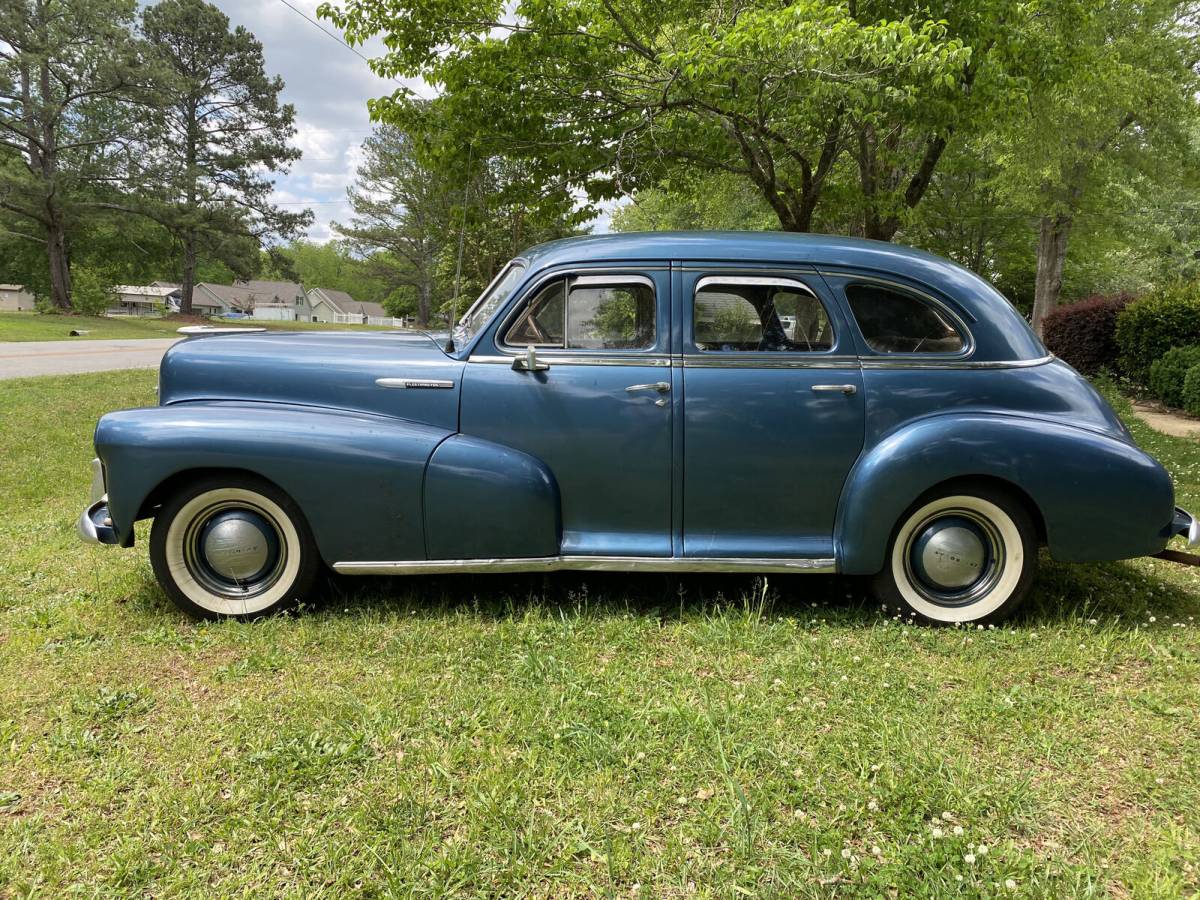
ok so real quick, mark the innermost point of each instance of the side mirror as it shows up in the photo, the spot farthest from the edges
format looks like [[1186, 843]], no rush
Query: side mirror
[[529, 362]]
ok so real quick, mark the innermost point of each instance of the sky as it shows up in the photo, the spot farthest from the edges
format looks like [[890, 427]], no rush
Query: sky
[[329, 86]]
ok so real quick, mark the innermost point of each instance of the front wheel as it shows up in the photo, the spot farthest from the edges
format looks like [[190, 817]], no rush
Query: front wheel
[[232, 546], [961, 557]]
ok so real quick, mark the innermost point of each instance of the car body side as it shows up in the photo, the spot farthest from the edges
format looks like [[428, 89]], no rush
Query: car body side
[[392, 476]]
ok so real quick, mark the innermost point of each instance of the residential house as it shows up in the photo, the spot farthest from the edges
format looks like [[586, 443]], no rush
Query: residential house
[[14, 298], [329, 305], [144, 299], [281, 301]]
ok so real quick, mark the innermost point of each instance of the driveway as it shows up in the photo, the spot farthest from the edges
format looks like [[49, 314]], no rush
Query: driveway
[[24, 358]]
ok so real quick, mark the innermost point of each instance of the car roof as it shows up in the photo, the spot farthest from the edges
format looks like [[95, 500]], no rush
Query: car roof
[[1000, 331]]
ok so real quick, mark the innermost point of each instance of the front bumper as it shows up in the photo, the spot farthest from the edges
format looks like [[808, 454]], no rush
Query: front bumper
[[95, 524], [1187, 526]]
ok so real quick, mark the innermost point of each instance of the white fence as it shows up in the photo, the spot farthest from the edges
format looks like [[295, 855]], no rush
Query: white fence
[[357, 319]]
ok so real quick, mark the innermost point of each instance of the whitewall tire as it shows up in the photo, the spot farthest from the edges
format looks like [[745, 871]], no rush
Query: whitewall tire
[[966, 555], [233, 546]]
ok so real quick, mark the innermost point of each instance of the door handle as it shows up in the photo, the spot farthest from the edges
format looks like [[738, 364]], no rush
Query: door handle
[[846, 389], [661, 386]]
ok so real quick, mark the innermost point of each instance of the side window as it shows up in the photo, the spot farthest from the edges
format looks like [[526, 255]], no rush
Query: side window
[[892, 321], [758, 315], [588, 313]]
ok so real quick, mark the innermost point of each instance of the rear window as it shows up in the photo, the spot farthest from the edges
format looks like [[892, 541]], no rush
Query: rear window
[[894, 321]]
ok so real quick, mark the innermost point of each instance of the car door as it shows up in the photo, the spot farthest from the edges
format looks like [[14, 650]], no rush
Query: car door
[[773, 412], [590, 396]]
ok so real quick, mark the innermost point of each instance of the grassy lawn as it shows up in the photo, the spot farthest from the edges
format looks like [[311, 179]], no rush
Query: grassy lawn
[[577, 735], [38, 327]]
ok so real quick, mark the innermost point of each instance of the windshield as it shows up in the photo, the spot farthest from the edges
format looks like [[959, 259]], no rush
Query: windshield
[[489, 301]]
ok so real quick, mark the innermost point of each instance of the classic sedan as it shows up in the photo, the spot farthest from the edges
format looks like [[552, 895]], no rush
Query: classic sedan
[[697, 402]]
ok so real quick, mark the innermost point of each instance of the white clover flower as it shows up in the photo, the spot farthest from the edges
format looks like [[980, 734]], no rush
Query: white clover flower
[[958, 830], [872, 806], [1010, 884], [826, 852], [969, 859], [982, 849], [937, 832], [845, 853], [876, 851], [947, 816]]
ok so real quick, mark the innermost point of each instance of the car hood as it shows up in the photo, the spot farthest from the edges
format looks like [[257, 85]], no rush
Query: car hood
[[400, 374]]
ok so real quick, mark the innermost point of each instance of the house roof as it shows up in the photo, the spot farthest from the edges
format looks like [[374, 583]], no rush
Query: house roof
[[286, 291], [146, 290], [347, 304], [12, 287]]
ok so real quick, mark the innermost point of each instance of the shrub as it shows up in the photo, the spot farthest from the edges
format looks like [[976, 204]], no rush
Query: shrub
[[91, 293], [1147, 328], [1191, 390], [1084, 333], [1167, 373]]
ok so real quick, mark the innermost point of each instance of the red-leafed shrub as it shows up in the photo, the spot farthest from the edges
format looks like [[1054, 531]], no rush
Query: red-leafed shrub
[[1084, 333]]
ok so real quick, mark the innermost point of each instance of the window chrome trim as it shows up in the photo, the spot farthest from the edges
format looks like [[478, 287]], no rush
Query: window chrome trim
[[918, 362], [589, 563], [751, 359], [753, 280], [733, 356], [968, 348], [600, 359], [621, 274]]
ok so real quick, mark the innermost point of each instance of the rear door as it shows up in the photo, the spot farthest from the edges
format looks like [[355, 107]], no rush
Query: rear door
[[772, 412]]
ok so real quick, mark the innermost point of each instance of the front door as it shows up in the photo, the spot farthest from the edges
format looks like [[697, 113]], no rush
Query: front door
[[600, 414], [773, 412]]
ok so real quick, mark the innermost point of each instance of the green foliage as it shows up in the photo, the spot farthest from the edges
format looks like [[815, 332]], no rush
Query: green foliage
[[695, 201], [92, 293], [330, 265], [1164, 318], [1167, 373], [1190, 395]]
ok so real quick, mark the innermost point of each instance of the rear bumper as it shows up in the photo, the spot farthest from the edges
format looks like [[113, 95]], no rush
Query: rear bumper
[[1187, 526], [95, 524]]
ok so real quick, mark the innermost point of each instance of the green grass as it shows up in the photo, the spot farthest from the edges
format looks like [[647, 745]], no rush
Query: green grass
[[578, 735], [50, 327]]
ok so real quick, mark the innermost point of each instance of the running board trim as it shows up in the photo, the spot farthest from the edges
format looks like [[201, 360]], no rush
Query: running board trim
[[589, 563]]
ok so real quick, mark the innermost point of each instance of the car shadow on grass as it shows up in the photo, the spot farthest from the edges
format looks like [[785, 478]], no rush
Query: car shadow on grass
[[1113, 593]]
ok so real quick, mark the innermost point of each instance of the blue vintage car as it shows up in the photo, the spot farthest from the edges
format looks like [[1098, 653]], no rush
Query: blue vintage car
[[692, 402]]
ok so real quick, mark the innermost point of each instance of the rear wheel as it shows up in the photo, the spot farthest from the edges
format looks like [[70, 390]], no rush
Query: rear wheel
[[233, 546], [965, 555]]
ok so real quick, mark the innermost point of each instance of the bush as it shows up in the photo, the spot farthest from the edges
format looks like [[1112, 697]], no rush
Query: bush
[[1167, 373], [1191, 390], [1084, 333], [1149, 327], [91, 293]]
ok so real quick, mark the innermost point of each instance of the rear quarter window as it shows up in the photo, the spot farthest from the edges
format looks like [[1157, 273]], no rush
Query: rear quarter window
[[894, 321]]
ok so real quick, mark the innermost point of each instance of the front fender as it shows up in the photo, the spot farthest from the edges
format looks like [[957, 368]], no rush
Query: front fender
[[1099, 497], [357, 477]]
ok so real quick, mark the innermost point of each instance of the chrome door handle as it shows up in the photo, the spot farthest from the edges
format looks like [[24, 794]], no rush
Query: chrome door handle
[[661, 386], [846, 389]]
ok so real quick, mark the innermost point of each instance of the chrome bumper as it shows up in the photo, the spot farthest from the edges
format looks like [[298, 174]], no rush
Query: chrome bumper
[[95, 524], [1187, 526]]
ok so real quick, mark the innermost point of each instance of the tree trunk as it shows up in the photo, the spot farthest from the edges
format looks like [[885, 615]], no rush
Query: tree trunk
[[60, 264], [424, 302], [1051, 253], [189, 274]]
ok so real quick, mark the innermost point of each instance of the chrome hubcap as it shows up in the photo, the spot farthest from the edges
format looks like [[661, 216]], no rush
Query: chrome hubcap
[[954, 557], [234, 550]]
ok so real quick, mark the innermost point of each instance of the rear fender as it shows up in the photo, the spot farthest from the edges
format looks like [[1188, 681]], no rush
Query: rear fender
[[357, 477], [1099, 497]]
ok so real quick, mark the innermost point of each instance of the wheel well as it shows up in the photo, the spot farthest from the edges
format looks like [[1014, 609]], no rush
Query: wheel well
[[171, 485], [1015, 491]]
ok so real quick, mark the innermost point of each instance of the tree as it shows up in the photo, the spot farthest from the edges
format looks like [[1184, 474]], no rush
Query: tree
[[1118, 118], [696, 201], [66, 68], [221, 130], [800, 100], [410, 218], [402, 207]]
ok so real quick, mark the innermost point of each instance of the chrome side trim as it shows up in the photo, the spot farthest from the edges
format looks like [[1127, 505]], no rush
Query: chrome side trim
[[872, 362], [578, 360], [588, 563], [767, 360], [413, 383]]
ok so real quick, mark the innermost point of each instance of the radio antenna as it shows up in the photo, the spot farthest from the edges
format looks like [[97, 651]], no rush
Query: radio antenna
[[462, 235]]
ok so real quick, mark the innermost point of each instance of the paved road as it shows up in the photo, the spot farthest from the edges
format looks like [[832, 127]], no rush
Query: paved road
[[20, 359]]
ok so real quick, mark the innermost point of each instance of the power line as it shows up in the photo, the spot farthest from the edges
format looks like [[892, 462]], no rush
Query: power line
[[322, 29]]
